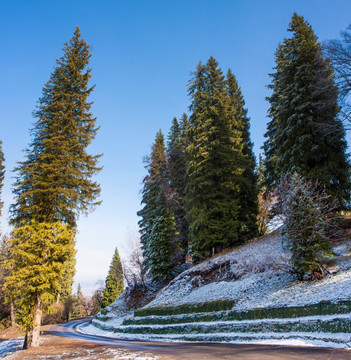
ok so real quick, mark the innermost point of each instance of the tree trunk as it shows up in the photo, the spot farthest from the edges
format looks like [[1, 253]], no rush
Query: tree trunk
[[27, 341], [58, 298], [12, 314], [38, 312]]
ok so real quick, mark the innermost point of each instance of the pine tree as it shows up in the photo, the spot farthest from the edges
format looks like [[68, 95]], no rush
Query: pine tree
[[157, 224], [215, 164], [54, 182], [37, 253], [114, 284], [248, 185], [177, 179], [304, 134]]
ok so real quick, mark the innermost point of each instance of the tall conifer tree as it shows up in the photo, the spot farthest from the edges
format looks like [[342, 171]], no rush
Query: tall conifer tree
[[177, 180], [114, 284], [248, 185], [304, 134], [215, 164], [157, 224], [54, 183]]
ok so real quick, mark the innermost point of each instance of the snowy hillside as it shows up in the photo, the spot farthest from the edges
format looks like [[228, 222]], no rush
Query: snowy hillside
[[246, 296]]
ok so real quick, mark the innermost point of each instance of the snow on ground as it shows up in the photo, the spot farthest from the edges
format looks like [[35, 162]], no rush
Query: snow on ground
[[109, 353], [9, 346], [260, 281], [334, 340], [253, 277]]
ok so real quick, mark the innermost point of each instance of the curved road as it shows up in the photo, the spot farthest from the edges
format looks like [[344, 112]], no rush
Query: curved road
[[209, 351]]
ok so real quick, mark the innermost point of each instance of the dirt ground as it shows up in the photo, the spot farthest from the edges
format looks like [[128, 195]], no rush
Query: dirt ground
[[55, 347]]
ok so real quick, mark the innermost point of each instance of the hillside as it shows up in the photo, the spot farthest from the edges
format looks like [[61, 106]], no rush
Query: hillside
[[244, 295]]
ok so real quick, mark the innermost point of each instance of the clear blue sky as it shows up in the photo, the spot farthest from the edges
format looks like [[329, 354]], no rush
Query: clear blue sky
[[143, 53]]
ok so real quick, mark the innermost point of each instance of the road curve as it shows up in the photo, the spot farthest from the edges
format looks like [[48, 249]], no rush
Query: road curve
[[208, 351]]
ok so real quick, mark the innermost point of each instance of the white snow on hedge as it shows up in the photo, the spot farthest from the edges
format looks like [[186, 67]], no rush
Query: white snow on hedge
[[253, 277]]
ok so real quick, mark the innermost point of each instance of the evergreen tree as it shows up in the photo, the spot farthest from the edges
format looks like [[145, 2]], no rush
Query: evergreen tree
[[303, 110], [215, 164], [307, 214], [79, 308], [37, 253], [248, 180], [4, 307], [157, 224], [264, 199], [177, 179], [114, 284], [54, 182]]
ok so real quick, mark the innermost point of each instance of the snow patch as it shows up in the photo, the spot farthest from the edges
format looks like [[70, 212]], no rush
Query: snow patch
[[10, 346]]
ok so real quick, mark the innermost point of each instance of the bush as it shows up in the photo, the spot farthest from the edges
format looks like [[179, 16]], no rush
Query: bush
[[308, 215]]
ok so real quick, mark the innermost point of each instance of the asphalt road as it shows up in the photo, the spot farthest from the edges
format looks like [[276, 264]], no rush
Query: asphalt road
[[209, 351]]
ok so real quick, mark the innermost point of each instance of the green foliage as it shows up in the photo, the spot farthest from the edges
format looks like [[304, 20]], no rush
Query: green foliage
[[304, 134], [308, 219], [37, 254], [4, 307], [157, 226], [177, 181], [53, 183], [222, 312], [79, 306], [264, 199], [114, 284], [248, 180], [216, 163], [186, 309]]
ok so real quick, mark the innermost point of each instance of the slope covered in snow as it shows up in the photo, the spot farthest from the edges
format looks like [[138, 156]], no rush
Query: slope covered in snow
[[251, 277]]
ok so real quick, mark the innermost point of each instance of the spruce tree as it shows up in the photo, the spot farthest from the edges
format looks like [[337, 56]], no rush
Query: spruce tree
[[37, 254], [304, 134], [114, 283], [215, 164], [54, 181], [248, 180], [157, 224], [177, 180]]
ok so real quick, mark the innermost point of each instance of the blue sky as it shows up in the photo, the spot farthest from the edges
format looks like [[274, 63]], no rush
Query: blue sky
[[143, 54]]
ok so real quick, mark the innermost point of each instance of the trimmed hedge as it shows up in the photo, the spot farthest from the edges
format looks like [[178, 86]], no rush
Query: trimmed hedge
[[186, 309], [196, 313], [338, 325]]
